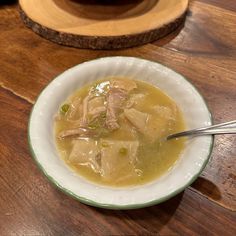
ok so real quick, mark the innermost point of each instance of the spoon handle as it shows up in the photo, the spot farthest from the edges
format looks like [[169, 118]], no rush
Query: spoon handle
[[230, 123], [224, 128]]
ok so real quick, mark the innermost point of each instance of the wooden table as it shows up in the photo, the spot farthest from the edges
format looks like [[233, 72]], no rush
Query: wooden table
[[203, 50]]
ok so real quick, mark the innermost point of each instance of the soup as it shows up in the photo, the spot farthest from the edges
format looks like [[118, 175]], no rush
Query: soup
[[113, 132]]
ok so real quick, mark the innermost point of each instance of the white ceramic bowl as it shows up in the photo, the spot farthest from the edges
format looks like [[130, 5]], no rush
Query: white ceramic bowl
[[186, 170]]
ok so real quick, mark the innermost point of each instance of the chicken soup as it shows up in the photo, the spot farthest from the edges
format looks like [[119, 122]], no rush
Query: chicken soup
[[113, 132]]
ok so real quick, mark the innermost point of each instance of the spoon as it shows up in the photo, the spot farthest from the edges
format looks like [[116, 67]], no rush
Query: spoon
[[223, 128]]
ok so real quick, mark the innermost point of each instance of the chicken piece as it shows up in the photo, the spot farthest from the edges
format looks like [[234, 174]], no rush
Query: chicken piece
[[116, 97], [86, 152], [115, 100], [84, 120], [118, 158], [127, 85], [82, 132]]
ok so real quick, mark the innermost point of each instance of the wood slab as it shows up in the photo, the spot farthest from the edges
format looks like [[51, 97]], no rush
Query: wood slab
[[103, 24]]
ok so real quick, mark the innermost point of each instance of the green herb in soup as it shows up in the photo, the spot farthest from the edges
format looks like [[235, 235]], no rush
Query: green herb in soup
[[113, 132]]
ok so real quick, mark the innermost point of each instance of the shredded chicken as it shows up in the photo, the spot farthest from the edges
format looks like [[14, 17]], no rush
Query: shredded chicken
[[94, 106], [84, 120], [115, 101], [117, 95], [76, 132]]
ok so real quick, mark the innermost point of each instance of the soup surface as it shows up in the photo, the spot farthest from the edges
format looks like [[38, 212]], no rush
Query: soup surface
[[113, 131]]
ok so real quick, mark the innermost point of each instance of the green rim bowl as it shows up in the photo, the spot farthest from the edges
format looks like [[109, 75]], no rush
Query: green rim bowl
[[191, 163]]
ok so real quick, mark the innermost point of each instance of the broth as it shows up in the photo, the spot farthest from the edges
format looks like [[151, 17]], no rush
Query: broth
[[112, 132]]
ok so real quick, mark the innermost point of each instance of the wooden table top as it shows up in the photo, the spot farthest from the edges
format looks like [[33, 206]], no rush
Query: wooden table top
[[203, 50]]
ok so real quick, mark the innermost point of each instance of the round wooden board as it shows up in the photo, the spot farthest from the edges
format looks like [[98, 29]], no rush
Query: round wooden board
[[104, 24]]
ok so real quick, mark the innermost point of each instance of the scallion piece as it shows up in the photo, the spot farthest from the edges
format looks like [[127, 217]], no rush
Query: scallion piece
[[64, 108], [123, 151]]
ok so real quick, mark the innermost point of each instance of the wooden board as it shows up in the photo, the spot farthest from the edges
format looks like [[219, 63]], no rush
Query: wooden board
[[103, 24]]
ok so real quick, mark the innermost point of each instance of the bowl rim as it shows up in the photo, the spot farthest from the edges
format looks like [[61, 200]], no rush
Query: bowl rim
[[117, 206]]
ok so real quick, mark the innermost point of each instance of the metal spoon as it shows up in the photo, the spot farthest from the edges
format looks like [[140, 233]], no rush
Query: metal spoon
[[223, 128]]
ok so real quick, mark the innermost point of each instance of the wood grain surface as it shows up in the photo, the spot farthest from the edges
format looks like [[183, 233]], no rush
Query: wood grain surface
[[103, 24], [203, 50]]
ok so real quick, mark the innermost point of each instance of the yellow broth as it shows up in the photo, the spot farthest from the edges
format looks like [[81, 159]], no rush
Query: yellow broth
[[154, 158]]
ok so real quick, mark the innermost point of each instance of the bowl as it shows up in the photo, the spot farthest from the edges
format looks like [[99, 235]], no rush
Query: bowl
[[189, 166]]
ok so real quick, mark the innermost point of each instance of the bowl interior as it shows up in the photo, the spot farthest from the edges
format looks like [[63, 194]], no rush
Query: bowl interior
[[189, 166]]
